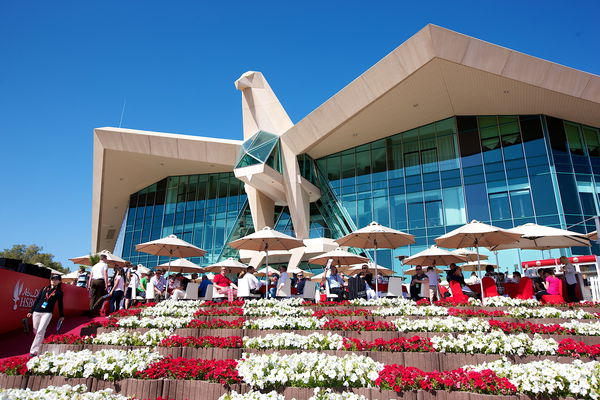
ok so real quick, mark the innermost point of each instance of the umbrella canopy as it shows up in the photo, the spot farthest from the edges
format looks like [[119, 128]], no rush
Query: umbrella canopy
[[142, 270], [434, 256], [112, 260], [183, 265], [469, 255], [261, 272], [355, 269], [539, 237], [475, 266], [476, 234], [71, 276], [339, 256], [267, 239], [170, 246], [376, 236], [230, 263], [413, 271]]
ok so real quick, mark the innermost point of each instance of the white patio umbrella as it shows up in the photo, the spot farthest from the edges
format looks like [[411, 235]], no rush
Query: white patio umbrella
[[477, 234], [142, 270], [112, 260], [71, 276], [183, 265], [469, 255], [434, 256], [339, 257], [592, 235], [230, 263], [170, 246], [539, 237], [263, 271], [376, 236], [318, 277], [267, 239], [477, 266]]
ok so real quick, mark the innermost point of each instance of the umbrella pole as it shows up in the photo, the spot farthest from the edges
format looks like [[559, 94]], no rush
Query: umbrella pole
[[376, 273], [479, 268], [267, 268]]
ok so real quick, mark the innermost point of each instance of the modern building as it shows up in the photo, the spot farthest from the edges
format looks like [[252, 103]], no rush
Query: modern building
[[444, 129]]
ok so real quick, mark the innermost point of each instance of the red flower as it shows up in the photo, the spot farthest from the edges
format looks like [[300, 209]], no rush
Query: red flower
[[67, 339], [400, 378], [573, 348], [105, 323], [16, 365], [528, 327], [221, 312], [220, 371], [334, 312], [127, 312], [402, 344], [337, 325], [457, 312], [235, 303], [229, 342]]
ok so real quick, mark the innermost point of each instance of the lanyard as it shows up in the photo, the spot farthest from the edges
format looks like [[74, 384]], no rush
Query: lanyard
[[50, 293]]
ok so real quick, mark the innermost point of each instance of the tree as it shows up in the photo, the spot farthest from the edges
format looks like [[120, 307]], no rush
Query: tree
[[32, 254]]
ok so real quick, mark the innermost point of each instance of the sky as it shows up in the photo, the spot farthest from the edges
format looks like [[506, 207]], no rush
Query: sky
[[67, 67]]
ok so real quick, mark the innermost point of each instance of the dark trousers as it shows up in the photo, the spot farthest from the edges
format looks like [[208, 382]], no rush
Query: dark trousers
[[415, 291], [97, 290], [541, 293], [572, 293], [115, 300], [341, 293]]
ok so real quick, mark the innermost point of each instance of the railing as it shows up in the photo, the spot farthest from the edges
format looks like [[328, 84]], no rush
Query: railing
[[595, 287]]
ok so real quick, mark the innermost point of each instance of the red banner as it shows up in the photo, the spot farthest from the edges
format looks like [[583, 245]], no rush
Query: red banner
[[20, 292], [555, 261]]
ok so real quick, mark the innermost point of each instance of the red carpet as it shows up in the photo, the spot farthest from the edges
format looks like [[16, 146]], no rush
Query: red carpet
[[18, 343]]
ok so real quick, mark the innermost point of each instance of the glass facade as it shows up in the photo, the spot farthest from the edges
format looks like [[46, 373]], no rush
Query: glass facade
[[502, 170], [201, 209], [495, 169]]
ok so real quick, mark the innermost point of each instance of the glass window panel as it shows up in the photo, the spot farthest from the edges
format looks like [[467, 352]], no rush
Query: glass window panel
[[574, 138], [445, 127], [568, 188], [499, 206], [429, 159], [381, 210], [454, 206], [488, 121], [556, 131], [378, 160], [411, 163], [477, 202], [363, 163], [468, 138], [416, 216], [434, 214], [588, 203], [592, 141], [521, 203], [348, 165], [333, 168]]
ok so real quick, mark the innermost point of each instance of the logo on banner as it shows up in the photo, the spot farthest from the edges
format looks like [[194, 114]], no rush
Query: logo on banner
[[22, 297]]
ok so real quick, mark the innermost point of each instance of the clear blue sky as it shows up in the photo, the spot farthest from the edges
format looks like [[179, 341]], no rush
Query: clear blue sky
[[67, 66]]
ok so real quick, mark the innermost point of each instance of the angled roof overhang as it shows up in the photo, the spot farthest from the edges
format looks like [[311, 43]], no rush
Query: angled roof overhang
[[438, 73], [126, 161]]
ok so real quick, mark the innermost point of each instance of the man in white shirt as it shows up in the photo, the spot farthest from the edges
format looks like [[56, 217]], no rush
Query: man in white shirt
[[160, 284], [98, 282], [434, 280], [335, 282], [284, 279]]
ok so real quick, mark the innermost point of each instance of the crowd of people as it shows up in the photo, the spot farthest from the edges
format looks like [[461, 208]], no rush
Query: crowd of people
[[127, 285]]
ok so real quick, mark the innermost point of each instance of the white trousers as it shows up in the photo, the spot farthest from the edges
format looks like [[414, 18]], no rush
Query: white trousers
[[178, 294], [40, 323]]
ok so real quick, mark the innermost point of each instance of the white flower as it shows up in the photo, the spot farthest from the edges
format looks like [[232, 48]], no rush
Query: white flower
[[549, 378], [125, 337], [289, 341], [307, 369], [104, 364], [494, 342], [446, 324], [66, 392], [153, 322], [252, 395]]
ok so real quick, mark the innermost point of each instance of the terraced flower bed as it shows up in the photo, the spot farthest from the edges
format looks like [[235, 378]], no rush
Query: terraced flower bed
[[390, 348]]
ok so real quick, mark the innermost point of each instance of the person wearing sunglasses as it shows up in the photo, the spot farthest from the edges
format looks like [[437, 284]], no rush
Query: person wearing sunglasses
[[42, 309]]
